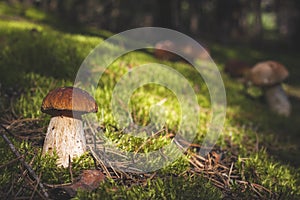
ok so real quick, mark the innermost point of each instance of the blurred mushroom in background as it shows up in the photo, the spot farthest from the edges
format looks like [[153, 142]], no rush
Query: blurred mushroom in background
[[164, 54], [189, 51], [269, 76]]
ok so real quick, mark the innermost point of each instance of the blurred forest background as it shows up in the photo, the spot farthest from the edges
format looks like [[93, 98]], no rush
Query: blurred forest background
[[263, 23]]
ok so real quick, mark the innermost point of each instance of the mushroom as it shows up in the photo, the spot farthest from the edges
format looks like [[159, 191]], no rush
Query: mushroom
[[65, 133], [188, 50], [165, 54], [269, 75], [193, 52]]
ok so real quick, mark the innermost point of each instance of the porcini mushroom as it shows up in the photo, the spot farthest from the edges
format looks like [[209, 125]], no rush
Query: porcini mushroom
[[65, 133], [269, 75]]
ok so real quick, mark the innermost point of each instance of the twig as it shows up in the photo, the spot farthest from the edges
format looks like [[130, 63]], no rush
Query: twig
[[112, 169], [229, 174], [30, 183], [10, 162], [94, 154], [198, 156], [22, 120], [70, 170], [255, 189], [256, 143], [28, 167], [148, 141], [11, 187], [35, 188], [198, 163], [57, 185]]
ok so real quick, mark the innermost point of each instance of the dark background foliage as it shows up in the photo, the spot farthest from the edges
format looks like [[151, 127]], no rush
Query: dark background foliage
[[257, 22]]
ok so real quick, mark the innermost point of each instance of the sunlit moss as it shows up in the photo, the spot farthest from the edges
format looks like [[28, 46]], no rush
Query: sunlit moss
[[35, 14], [259, 168], [20, 25], [168, 187]]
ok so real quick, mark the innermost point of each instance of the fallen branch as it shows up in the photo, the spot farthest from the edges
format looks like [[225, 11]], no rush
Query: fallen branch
[[22, 160]]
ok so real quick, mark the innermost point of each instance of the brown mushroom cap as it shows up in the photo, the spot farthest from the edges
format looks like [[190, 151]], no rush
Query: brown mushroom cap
[[267, 73], [68, 100]]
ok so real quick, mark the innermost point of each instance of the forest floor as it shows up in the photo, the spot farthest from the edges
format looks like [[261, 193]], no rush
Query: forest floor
[[255, 157]]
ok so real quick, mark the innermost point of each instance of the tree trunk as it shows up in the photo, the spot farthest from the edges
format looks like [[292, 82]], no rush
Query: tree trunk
[[194, 20], [164, 15], [257, 26]]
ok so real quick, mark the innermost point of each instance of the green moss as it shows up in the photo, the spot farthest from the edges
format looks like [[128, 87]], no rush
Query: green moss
[[35, 14], [53, 174], [261, 169], [161, 188], [36, 58]]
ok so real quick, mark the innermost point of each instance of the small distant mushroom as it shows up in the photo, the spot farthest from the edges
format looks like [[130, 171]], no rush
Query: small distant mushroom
[[188, 50], [65, 133], [165, 54], [269, 75], [193, 52]]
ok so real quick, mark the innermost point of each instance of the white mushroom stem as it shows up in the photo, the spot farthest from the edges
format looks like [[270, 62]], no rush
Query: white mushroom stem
[[65, 136], [278, 100]]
